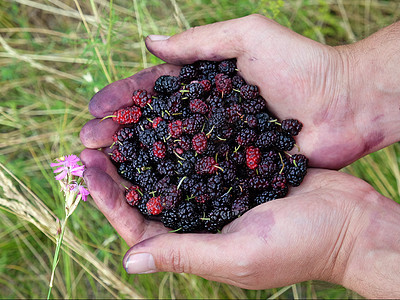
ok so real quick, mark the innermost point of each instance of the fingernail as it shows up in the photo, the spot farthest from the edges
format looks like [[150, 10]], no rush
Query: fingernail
[[155, 38], [140, 263]]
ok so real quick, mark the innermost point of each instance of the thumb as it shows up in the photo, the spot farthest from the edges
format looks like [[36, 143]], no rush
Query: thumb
[[206, 255], [215, 42]]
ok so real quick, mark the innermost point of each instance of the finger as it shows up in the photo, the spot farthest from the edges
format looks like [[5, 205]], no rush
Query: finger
[[101, 179], [119, 94], [97, 134], [96, 159], [215, 42], [200, 254]]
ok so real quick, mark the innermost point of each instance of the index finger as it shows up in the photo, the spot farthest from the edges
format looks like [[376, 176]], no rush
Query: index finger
[[119, 93]]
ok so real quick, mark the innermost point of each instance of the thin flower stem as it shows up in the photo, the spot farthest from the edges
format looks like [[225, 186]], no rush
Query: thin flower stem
[[56, 254]]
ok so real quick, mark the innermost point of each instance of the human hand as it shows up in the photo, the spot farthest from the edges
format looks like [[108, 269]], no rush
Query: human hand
[[334, 227], [348, 108]]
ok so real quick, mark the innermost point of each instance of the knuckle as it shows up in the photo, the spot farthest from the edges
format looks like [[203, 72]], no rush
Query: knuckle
[[175, 259]]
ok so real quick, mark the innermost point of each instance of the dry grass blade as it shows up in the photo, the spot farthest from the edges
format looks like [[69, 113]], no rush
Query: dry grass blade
[[35, 64], [12, 200]]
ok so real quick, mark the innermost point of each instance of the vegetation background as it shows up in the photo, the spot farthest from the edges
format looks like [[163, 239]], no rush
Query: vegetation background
[[54, 55]]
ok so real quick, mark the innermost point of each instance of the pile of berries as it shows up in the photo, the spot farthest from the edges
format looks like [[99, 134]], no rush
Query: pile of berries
[[202, 148]]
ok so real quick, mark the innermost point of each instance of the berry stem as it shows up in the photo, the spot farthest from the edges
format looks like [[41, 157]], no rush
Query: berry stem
[[107, 117], [283, 164], [180, 182]]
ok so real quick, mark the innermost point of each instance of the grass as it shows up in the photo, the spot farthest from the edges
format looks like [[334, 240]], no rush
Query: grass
[[54, 56]]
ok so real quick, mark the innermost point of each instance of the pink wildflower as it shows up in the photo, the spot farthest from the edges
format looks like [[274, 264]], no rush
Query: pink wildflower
[[67, 164], [76, 187]]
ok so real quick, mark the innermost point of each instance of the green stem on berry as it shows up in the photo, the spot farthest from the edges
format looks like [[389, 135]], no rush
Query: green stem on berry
[[221, 139], [184, 91], [205, 219], [236, 149], [288, 154], [218, 167], [294, 162], [230, 189], [168, 112], [172, 231], [178, 155], [208, 134], [140, 192], [238, 91], [176, 114], [298, 147], [180, 182], [148, 119], [110, 116], [283, 164], [150, 105]]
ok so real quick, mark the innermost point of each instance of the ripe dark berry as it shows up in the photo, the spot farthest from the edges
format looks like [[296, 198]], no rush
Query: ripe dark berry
[[291, 126], [198, 106], [207, 67], [249, 91], [237, 82], [116, 156], [166, 84], [195, 90], [141, 98], [218, 218], [199, 142], [159, 149], [206, 85], [206, 165], [127, 150], [175, 128], [123, 134], [227, 67], [193, 124], [246, 137], [284, 142], [267, 139], [223, 83], [187, 73], [127, 171], [253, 157], [235, 112], [170, 196], [147, 137], [266, 196]]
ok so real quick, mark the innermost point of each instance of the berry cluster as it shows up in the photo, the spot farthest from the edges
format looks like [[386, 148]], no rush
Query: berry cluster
[[202, 148]]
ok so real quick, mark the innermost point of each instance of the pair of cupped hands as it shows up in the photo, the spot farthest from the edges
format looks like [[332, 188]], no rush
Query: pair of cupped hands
[[320, 229]]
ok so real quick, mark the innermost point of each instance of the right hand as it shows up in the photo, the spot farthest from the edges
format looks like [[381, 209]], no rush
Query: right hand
[[298, 77]]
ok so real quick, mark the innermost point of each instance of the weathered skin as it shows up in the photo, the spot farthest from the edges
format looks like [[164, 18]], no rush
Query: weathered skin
[[333, 227]]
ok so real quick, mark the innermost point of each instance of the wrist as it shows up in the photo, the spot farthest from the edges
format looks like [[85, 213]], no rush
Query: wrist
[[374, 91], [370, 256]]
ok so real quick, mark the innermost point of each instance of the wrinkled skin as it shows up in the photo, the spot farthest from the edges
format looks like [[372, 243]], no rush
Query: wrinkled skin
[[310, 234]]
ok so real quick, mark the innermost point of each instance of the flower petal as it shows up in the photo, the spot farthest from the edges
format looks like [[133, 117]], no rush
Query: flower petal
[[61, 175]]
